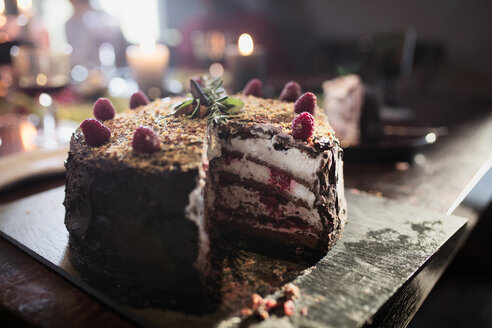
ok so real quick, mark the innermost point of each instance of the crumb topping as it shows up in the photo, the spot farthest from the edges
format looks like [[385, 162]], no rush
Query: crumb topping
[[182, 139], [278, 113]]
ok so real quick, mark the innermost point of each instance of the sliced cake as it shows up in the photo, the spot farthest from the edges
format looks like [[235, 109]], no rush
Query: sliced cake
[[150, 190]]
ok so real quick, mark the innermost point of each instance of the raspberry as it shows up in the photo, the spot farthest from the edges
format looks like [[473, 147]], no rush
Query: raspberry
[[289, 308], [306, 103], [290, 92], [253, 88], [103, 109], [280, 178], [270, 303], [95, 133], [303, 126], [145, 140], [138, 99]]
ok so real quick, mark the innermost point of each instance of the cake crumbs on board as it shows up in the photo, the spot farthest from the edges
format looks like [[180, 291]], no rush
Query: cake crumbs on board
[[284, 305]]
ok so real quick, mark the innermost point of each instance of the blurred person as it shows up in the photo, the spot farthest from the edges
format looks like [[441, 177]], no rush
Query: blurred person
[[87, 29], [232, 19]]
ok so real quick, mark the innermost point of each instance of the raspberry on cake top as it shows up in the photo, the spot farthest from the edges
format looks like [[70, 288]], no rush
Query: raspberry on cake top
[[182, 138]]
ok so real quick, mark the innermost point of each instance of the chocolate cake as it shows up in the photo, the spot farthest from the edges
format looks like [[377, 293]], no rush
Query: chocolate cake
[[343, 102], [143, 224]]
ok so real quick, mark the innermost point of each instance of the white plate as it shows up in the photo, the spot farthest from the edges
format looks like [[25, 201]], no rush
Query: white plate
[[29, 164]]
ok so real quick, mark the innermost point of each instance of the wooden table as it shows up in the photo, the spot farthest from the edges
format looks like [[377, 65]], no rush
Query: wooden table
[[30, 293]]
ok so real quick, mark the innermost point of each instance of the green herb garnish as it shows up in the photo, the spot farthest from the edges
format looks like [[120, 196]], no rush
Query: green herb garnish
[[212, 95]]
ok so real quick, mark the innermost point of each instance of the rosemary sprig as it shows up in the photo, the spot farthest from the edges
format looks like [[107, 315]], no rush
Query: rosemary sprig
[[197, 107], [219, 106]]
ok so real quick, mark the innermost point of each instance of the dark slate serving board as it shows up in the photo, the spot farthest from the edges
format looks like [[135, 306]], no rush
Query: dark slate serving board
[[384, 244]]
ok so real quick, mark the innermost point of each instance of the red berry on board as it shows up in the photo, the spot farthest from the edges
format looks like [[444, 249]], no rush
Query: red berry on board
[[253, 88], [306, 103], [145, 140], [289, 308], [291, 92], [138, 99], [303, 126], [270, 303], [103, 109], [95, 133]]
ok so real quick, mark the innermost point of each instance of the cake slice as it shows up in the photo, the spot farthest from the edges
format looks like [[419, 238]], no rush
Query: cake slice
[[343, 101], [268, 186]]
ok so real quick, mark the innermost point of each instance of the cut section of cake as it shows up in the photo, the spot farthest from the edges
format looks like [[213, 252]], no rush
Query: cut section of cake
[[142, 224], [269, 186]]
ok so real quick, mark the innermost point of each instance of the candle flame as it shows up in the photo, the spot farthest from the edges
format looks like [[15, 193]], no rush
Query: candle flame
[[2, 6], [28, 134], [41, 79], [245, 44], [147, 47], [24, 4]]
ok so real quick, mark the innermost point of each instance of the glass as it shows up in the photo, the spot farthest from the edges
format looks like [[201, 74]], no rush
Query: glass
[[41, 73]]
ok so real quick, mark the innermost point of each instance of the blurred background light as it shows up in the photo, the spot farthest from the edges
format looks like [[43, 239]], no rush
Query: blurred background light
[[79, 73], [138, 19], [45, 100]]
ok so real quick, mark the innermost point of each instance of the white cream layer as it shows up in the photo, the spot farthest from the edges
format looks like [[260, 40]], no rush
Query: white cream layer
[[291, 160], [247, 169], [235, 197]]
